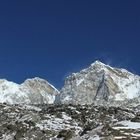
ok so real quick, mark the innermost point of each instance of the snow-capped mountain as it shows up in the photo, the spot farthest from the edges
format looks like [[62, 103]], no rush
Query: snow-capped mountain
[[100, 82], [32, 91]]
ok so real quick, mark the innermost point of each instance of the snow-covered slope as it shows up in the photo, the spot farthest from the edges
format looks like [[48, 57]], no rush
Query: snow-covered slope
[[32, 91], [98, 82]]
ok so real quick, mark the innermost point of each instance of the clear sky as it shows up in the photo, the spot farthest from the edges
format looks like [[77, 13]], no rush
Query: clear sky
[[53, 38]]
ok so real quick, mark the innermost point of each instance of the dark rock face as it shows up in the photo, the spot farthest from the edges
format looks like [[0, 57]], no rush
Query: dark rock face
[[102, 91], [70, 122]]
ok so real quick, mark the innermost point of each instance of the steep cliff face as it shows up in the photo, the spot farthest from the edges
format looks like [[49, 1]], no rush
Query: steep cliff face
[[32, 91], [100, 82]]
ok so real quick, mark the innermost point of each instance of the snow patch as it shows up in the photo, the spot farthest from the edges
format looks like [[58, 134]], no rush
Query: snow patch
[[78, 82], [127, 125]]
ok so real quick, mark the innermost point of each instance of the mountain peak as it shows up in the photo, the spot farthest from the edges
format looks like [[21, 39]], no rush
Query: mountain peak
[[32, 91], [97, 62], [100, 81], [35, 79]]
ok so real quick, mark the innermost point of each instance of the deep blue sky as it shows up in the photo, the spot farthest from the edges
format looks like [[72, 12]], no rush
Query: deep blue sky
[[52, 38]]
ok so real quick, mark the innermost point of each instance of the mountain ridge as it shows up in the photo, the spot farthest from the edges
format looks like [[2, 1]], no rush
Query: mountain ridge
[[97, 82], [31, 91]]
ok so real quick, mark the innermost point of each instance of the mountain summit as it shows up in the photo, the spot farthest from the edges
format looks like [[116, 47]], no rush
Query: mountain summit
[[100, 82], [97, 62]]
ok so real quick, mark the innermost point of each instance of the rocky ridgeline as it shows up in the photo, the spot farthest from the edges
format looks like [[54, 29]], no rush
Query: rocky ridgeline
[[70, 122]]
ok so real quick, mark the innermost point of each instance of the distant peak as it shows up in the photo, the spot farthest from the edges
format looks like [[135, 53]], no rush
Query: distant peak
[[97, 62], [35, 79]]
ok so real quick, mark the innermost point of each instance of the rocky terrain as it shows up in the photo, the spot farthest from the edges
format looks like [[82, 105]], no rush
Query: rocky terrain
[[71, 122]]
